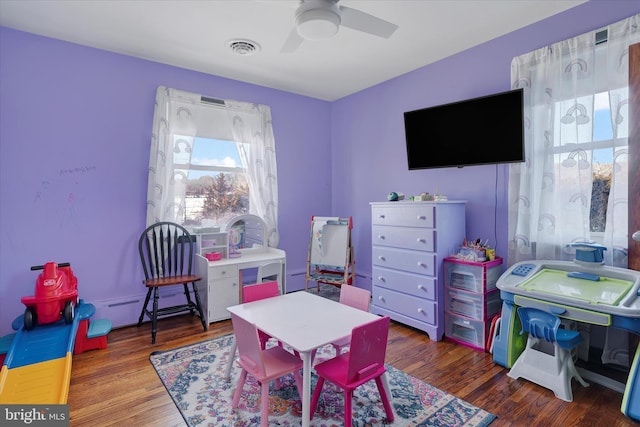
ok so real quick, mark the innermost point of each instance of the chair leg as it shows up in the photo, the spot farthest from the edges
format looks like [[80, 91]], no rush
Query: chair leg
[[144, 307], [239, 387], [232, 359], [264, 413], [199, 305], [348, 400], [154, 317], [385, 398], [187, 295], [315, 397]]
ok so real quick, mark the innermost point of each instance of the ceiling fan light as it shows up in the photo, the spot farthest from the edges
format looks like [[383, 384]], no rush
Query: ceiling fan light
[[317, 24]]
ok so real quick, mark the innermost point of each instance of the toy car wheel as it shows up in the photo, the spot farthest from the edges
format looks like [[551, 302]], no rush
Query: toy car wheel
[[68, 312], [30, 319]]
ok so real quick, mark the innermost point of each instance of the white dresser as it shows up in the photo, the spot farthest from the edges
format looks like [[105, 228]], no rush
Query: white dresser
[[410, 241]]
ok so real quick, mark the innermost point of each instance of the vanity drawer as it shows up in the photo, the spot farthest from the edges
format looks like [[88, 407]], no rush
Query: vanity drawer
[[404, 214], [421, 239], [223, 272], [408, 305], [400, 259], [408, 283]]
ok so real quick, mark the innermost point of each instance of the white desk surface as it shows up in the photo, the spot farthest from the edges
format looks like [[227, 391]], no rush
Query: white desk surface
[[305, 322], [251, 258]]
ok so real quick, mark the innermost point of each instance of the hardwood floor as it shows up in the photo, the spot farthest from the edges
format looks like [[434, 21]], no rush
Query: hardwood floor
[[118, 386]]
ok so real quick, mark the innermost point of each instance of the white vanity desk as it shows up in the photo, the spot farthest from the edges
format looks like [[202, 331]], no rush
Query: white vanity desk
[[220, 285]]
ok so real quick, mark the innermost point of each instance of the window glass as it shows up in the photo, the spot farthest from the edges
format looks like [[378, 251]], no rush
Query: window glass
[[216, 183]]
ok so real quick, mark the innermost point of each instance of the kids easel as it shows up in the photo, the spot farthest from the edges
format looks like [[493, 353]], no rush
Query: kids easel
[[330, 259]]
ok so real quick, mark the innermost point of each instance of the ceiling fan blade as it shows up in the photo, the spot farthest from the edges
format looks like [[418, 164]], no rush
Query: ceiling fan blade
[[293, 42], [361, 21]]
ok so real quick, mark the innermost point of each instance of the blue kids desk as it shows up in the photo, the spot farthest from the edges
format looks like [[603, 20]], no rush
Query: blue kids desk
[[581, 291]]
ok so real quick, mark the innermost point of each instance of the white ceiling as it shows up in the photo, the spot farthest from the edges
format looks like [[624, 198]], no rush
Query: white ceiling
[[193, 34]]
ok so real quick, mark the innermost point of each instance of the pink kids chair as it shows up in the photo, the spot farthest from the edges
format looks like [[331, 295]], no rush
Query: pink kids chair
[[364, 362], [257, 292], [265, 365], [354, 297], [254, 293]]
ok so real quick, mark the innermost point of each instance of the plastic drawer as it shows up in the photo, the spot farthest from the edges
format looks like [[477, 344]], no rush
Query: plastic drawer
[[472, 276], [473, 305], [469, 332]]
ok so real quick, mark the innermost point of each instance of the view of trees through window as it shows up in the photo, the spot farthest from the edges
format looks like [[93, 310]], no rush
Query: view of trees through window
[[216, 183]]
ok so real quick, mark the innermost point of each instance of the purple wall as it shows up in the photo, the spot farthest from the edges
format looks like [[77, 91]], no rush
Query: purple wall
[[75, 126], [75, 133]]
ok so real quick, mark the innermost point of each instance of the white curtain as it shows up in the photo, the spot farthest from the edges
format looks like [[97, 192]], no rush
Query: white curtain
[[252, 123], [183, 113], [550, 194]]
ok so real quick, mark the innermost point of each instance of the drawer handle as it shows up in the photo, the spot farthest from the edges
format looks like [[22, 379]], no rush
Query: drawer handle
[[380, 298], [421, 264], [422, 217], [381, 258], [381, 216], [380, 278], [420, 310], [421, 287], [380, 236], [421, 240]]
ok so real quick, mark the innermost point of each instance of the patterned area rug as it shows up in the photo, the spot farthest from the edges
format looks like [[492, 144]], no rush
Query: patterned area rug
[[194, 377]]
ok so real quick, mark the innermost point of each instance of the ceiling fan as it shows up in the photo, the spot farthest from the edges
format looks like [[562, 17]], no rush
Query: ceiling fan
[[321, 19]]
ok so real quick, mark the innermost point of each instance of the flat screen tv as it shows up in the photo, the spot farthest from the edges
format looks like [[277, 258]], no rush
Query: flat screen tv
[[478, 131]]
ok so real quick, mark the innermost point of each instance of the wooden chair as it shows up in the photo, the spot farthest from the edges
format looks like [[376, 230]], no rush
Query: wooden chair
[[265, 365], [364, 362], [166, 251]]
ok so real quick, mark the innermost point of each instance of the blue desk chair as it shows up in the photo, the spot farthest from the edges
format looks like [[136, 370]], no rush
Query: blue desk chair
[[546, 359]]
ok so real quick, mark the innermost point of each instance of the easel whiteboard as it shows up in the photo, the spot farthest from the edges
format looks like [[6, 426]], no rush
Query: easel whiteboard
[[329, 244]]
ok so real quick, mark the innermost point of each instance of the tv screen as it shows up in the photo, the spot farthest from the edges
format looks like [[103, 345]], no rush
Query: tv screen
[[478, 131]]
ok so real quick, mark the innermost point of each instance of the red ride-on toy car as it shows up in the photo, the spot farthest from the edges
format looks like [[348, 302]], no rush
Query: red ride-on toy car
[[56, 295]]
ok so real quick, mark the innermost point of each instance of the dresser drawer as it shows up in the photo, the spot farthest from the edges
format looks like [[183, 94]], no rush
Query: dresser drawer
[[408, 283], [420, 239], [411, 306], [400, 259], [404, 214]]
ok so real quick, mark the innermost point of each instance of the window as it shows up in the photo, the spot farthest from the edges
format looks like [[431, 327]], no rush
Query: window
[[211, 160], [216, 183], [591, 147], [573, 186]]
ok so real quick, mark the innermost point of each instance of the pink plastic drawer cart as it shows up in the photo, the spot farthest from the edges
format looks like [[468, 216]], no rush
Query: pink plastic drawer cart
[[471, 300]]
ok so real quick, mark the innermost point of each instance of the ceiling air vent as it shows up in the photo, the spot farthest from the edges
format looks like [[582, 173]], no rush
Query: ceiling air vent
[[244, 47]]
